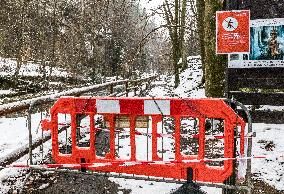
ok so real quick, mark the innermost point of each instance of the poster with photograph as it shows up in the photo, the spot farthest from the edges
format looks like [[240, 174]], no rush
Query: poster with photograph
[[266, 45]]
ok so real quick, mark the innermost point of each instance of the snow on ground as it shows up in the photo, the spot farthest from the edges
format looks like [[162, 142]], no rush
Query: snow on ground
[[15, 134], [16, 174], [8, 67], [190, 79], [149, 187], [269, 142], [4, 92], [11, 173]]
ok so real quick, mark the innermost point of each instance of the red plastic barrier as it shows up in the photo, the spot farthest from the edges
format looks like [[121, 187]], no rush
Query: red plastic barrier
[[157, 108]]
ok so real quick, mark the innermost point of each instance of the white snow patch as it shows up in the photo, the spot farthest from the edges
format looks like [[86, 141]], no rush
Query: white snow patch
[[141, 186], [269, 170], [12, 173], [15, 133], [5, 92], [43, 186], [8, 68]]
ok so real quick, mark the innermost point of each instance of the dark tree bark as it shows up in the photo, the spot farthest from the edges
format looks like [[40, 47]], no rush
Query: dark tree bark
[[200, 5], [214, 64]]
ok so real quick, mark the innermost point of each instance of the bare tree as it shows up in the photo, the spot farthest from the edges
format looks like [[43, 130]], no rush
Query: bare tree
[[89, 38], [175, 16]]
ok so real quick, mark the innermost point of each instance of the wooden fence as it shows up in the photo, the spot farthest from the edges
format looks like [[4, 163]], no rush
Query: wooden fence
[[258, 86], [258, 82], [128, 85], [110, 87]]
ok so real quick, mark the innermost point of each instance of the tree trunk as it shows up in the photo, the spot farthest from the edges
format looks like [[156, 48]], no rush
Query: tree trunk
[[176, 24], [41, 40], [176, 52], [214, 64], [200, 5], [21, 41], [54, 39], [182, 32]]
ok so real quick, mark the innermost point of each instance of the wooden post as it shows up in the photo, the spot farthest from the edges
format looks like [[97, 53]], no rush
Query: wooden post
[[126, 88], [134, 85], [149, 84], [140, 92], [111, 89]]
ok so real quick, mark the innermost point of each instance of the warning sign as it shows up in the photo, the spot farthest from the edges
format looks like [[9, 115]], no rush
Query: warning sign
[[232, 32]]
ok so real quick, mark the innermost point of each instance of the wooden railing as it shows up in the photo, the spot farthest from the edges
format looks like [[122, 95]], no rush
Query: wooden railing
[[129, 85], [29, 104]]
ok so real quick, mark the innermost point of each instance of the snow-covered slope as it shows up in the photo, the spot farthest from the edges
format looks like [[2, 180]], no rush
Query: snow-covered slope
[[15, 132], [8, 67], [268, 141]]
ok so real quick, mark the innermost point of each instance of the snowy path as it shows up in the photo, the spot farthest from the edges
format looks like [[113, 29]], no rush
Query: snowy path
[[164, 88]]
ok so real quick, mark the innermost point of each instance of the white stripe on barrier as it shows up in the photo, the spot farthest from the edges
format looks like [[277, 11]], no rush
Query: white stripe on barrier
[[108, 106], [157, 107]]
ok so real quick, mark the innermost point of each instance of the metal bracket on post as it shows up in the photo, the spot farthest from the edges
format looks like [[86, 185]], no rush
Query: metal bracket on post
[[250, 186], [31, 106], [30, 131]]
